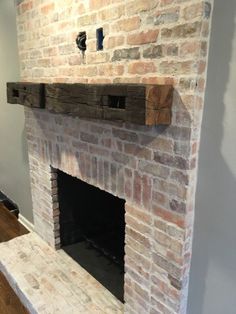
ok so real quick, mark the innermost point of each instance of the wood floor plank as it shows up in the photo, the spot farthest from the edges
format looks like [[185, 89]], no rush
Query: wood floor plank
[[10, 228], [9, 302]]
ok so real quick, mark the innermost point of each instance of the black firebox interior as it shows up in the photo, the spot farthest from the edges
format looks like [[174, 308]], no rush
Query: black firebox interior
[[92, 230]]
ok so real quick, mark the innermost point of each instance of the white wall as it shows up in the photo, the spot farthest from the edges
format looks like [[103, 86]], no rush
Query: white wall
[[213, 272], [14, 172]]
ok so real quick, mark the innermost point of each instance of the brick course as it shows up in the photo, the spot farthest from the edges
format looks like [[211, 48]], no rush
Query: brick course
[[152, 168]]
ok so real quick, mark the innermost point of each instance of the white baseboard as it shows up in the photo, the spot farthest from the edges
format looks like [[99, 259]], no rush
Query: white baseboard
[[25, 222]]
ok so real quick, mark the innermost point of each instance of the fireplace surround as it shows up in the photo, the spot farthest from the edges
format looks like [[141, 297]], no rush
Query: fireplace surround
[[118, 159], [152, 168]]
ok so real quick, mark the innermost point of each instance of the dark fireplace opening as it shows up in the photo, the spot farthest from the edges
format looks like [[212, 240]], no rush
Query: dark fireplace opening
[[92, 230]]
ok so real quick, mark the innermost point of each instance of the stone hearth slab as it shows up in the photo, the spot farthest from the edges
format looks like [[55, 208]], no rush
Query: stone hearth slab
[[49, 281]]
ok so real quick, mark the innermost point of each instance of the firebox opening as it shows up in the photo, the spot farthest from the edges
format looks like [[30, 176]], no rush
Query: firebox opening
[[92, 230], [15, 93]]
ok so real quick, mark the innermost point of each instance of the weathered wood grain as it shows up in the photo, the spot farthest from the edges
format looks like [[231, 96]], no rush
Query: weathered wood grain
[[159, 100], [134, 103], [26, 94]]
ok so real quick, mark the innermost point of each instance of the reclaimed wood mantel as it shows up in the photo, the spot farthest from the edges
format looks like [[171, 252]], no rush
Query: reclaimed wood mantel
[[134, 103]]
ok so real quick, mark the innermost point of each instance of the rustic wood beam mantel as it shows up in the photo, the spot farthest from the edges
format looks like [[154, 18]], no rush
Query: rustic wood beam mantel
[[134, 103]]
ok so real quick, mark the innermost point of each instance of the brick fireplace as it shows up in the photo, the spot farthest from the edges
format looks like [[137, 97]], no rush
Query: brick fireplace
[[152, 168]]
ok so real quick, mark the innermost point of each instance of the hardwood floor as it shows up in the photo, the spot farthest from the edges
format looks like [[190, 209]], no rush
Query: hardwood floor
[[10, 228], [9, 302]]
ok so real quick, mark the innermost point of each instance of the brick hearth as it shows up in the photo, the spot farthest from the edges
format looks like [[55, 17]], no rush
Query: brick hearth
[[47, 280], [152, 168]]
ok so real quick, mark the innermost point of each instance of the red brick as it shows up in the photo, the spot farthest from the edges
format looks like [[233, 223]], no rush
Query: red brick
[[171, 50], [146, 191], [99, 80], [66, 49], [138, 151], [80, 145], [81, 9], [154, 169], [128, 24], [139, 269], [26, 6], [182, 31], [201, 67], [124, 79], [107, 14], [89, 138], [48, 8], [205, 29], [166, 2], [169, 216], [160, 306], [172, 161], [125, 135], [190, 49], [142, 292], [160, 224], [193, 11], [137, 188], [158, 80], [113, 41], [126, 54], [175, 258], [110, 70], [106, 142], [176, 67], [204, 47], [97, 150], [180, 177], [158, 143], [98, 4], [120, 158], [166, 16], [141, 67], [143, 37], [160, 198], [201, 84], [97, 57], [180, 147], [51, 51], [178, 206], [66, 71], [138, 225], [128, 188], [138, 6], [88, 70], [167, 265], [44, 62], [75, 60], [87, 19], [145, 217], [106, 175]]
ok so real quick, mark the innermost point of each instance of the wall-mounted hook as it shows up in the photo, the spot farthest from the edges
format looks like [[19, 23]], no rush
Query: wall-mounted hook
[[81, 41]]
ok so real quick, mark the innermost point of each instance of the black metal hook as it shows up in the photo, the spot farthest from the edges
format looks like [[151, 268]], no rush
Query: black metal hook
[[81, 41]]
